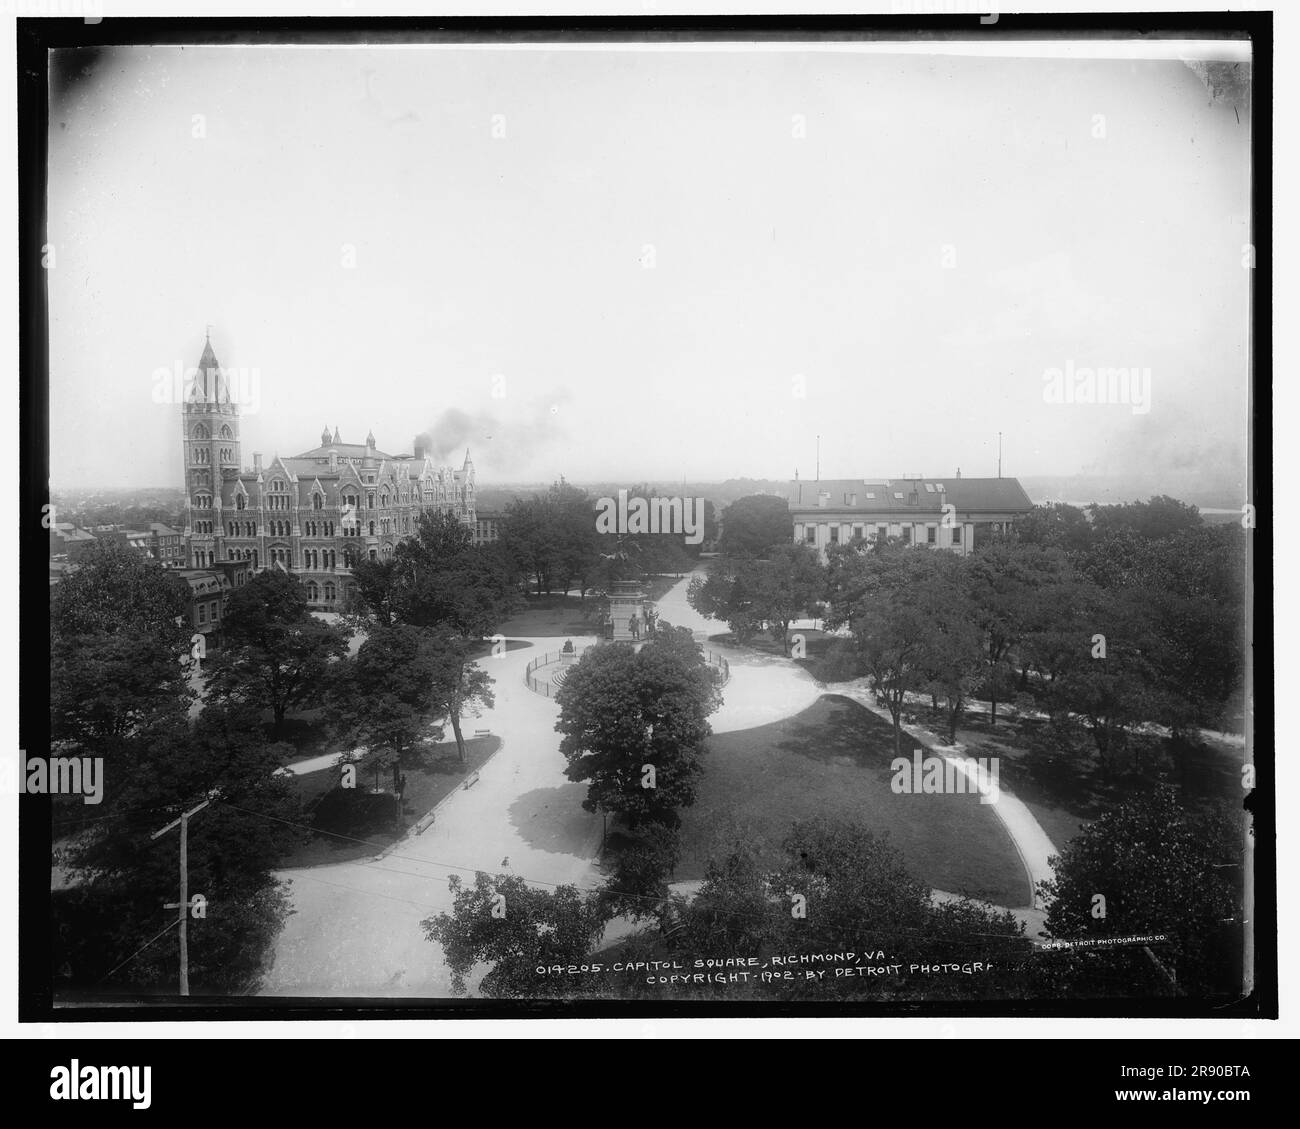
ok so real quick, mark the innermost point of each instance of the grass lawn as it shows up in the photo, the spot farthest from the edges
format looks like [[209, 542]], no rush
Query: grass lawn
[[828, 658], [833, 760], [429, 778], [553, 616]]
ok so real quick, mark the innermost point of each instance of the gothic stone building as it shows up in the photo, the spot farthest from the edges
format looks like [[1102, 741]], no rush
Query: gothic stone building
[[315, 514]]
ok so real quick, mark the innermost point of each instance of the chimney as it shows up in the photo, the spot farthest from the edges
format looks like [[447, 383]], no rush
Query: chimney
[[959, 472], [257, 462]]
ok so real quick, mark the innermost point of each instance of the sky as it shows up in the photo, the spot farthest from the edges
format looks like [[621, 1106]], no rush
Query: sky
[[663, 264]]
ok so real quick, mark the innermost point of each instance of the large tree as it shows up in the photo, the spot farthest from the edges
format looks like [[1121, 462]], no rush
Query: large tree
[[453, 591], [117, 622], [514, 928], [894, 629], [119, 647], [275, 654], [726, 593], [635, 725], [755, 525], [1161, 869], [553, 538], [389, 696], [1005, 582]]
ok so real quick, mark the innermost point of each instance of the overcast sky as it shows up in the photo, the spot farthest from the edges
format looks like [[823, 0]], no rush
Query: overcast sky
[[652, 257]]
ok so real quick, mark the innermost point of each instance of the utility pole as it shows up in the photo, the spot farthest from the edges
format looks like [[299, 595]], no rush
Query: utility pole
[[183, 906], [999, 454]]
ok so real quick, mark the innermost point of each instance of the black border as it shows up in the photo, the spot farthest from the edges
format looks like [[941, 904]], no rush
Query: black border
[[36, 36]]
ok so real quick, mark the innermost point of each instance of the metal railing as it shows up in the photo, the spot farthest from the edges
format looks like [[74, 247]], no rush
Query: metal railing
[[548, 686], [720, 663]]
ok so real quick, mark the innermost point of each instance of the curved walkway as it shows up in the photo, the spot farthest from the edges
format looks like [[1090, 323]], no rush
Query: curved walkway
[[355, 927]]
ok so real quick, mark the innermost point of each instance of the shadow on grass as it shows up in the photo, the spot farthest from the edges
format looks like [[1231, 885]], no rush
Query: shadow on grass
[[352, 823], [833, 760], [554, 820]]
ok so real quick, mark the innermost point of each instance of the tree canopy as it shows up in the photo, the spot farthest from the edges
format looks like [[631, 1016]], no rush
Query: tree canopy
[[635, 724]]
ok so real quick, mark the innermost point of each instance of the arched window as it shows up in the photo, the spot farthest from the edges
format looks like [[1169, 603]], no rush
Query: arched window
[[313, 593], [372, 529], [317, 501], [226, 433], [329, 593], [200, 432], [240, 501]]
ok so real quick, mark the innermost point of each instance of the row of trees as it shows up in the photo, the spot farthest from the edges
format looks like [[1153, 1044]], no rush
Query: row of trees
[[120, 689], [552, 539], [1125, 630], [1105, 619]]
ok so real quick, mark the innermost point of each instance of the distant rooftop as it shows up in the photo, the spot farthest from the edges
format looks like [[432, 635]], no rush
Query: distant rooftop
[[910, 495]]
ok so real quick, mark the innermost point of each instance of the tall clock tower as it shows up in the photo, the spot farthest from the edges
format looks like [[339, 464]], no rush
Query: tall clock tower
[[210, 448]]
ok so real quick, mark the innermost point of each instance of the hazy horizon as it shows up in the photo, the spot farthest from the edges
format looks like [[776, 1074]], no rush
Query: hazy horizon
[[625, 265]]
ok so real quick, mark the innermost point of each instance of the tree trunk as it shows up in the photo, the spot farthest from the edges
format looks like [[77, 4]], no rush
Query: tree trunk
[[455, 724]]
